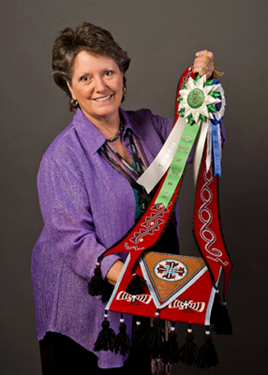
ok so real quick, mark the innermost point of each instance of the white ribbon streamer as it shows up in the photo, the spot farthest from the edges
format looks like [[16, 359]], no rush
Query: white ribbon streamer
[[219, 138], [199, 148], [153, 174], [209, 147]]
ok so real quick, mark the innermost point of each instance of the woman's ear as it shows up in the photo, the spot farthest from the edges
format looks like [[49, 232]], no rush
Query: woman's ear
[[71, 90]]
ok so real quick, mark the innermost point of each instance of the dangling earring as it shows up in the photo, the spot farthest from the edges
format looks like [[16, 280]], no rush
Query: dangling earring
[[74, 103], [124, 89]]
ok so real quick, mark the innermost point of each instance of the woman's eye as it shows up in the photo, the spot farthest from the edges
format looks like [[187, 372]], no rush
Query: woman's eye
[[109, 73], [85, 79]]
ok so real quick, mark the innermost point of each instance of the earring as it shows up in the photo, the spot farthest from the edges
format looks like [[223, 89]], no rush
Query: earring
[[124, 89], [74, 103]]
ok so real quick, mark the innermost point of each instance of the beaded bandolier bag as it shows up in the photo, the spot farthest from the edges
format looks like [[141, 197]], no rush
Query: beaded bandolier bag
[[163, 285]]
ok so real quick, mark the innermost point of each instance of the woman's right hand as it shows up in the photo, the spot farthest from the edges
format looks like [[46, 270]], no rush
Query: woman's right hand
[[204, 63], [114, 272]]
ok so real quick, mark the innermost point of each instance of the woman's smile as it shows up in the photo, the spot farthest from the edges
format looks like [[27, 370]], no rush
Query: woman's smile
[[103, 98]]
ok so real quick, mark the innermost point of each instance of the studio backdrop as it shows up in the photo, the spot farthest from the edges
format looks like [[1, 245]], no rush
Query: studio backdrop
[[162, 38]]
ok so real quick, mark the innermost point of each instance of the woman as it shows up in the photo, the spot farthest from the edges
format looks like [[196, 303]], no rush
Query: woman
[[88, 197]]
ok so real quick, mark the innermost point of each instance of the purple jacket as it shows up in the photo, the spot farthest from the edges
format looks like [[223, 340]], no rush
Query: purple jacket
[[87, 206]]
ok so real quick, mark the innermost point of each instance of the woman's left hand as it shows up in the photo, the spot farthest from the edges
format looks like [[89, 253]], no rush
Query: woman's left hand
[[204, 63]]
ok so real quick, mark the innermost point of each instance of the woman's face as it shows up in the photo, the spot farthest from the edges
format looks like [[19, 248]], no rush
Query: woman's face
[[97, 85]]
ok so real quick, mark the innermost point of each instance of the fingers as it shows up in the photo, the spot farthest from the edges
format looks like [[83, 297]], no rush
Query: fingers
[[204, 63], [204, 53]]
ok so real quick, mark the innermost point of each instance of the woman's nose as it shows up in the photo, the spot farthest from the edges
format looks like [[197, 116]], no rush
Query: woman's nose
[[99, 84]]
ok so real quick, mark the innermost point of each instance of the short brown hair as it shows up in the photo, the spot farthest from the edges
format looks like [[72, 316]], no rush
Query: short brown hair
[[86, 37]]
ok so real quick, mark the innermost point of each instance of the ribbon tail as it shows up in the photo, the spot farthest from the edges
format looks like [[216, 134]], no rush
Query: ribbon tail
[[200, 144], [216, 150], [220, 140], [209, 147], [153, 174], [178, 164]]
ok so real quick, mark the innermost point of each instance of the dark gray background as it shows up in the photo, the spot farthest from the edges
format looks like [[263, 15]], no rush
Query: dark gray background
[[161, 37]]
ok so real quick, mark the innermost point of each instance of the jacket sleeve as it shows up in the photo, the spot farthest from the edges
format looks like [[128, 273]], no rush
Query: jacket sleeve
[[68, 221]]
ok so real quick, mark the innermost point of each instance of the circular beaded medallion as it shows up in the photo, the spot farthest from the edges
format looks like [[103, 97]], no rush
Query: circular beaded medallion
[[170, 270], [195, 98]]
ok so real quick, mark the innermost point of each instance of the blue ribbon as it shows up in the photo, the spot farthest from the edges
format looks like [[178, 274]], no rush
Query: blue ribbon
[[216, 147]]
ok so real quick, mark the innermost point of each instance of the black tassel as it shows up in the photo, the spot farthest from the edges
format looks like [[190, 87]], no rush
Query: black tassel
[[95, 286], [216, 309], [207, 355], [121, 342], [227, 323], [153, 339], [220, 318], [136, 285], [135, 345], [172, 354], [189, 351], [106, 336]]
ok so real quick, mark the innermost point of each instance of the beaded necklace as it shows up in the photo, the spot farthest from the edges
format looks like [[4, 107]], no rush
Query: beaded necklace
[[120, 131]]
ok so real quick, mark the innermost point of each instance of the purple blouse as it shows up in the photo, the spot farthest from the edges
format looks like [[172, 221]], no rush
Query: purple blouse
[[86, 206]]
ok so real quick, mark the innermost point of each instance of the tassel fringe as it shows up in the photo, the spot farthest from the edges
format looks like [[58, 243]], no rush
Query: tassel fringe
[[95, 286], [220, 318], [135, 345], [136, 285], [207, 355], [121, 341], [106, 336], [172, 354], [189, 351], [153, 339]]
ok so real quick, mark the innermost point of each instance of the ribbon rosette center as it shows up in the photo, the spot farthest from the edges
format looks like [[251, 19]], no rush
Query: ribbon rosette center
[[195, 98]]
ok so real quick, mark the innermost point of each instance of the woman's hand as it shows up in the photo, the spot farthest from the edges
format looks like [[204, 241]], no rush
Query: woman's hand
[[204, 63], [114, 272]]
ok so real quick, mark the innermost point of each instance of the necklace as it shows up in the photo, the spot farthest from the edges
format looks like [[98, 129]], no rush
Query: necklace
[[120, 131]]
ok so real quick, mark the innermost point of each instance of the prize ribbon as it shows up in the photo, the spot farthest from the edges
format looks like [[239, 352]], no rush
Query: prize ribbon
[[201, 105]]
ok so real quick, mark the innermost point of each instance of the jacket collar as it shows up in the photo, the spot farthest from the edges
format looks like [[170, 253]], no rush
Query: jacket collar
[[93, 137], [130, 123]]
